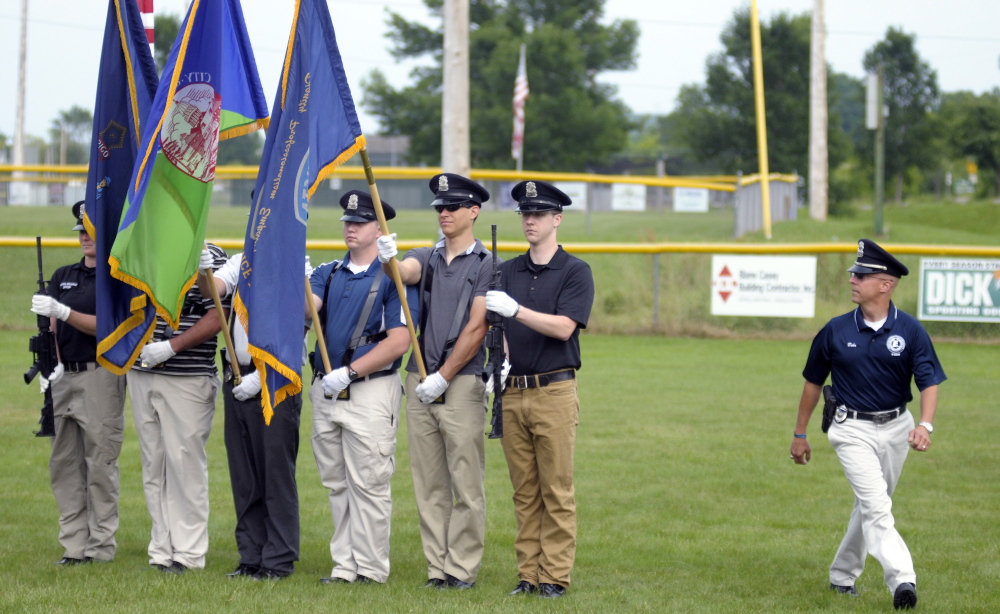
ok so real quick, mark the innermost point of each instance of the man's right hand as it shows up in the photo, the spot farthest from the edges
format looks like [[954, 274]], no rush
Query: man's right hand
[[801, 452], [386, 248], [206, 261], [45, 382]]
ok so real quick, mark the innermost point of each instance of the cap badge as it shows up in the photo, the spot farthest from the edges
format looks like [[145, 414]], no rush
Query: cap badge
[[861, 249], [83, 210], [442, 184], [530, 190], [352, 202]]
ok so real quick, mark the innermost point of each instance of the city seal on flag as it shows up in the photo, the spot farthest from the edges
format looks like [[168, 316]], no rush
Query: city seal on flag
[[112, 137], [190, 134]]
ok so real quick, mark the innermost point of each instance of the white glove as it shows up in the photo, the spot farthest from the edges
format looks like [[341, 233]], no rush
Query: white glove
[[335, 381], [207, 260], [504, 371], [248, 388], [500, 302], [386, 248], [48, 306], [309, 268], [431, 388], [155, 353], [57, 372]]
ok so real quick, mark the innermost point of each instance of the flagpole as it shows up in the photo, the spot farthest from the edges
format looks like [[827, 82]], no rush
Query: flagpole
[[317, 328], [393, 264], [233, 362]]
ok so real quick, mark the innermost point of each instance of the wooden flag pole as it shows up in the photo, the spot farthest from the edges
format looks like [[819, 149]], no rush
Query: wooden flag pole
[[394, 265], [318, 329], [233, 362]]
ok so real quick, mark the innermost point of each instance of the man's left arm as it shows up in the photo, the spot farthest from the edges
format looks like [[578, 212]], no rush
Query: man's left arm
[[576, 297]]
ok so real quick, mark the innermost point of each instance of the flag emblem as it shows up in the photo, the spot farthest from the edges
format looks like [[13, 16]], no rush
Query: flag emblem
[[190, 135], [112, 137]]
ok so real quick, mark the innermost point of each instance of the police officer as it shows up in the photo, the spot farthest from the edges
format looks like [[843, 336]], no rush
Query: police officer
[[261, 457], [445, 414], [356, 405], [872, 354], [89, 406], [547, 296]]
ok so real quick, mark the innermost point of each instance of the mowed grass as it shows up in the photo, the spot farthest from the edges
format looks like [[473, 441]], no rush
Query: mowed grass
[[687, 501]]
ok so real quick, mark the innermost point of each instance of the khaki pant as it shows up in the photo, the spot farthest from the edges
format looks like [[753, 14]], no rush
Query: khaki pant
[[173, 417], [354, 442], [448, 462], [83, 468], [539, 433]]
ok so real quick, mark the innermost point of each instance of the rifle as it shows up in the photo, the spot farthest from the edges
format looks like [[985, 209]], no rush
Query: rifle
[[43, 349], [494, 341]]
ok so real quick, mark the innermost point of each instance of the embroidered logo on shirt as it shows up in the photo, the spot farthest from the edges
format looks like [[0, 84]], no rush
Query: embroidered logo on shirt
[[66, 285], [851, 344], [896, 344]]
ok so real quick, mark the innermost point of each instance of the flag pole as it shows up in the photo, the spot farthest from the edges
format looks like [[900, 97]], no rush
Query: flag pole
[[318, 328], [393, 264], [233, 362]]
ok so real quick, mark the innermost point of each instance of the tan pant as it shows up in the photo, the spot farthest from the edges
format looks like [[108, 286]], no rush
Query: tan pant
[[539, 432], [83, 468], [448, 463], [173, 417]]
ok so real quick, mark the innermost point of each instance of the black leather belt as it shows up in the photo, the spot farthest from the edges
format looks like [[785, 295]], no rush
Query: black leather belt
[[79, 367], [317, 375], [880, 417], [523, 382]]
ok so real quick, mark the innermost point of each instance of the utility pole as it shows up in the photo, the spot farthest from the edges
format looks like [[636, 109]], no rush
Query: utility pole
[[758, 90], [819, 168], [875, 115], [22, 61], [455, 98]]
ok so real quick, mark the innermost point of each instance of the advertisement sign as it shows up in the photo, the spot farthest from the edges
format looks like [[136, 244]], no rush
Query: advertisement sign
[[577, 192], [771, 286], [957, 290], [691, 200], [628, 197]]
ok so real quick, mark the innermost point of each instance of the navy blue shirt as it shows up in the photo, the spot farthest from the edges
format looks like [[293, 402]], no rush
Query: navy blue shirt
[[344, 301], [872, 369]]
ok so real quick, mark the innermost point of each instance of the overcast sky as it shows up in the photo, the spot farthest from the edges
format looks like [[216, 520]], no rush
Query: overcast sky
[[958, 38]]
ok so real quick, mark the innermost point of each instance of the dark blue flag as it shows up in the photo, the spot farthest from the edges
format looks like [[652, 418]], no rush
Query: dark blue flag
[[125, 89], [314, 129]]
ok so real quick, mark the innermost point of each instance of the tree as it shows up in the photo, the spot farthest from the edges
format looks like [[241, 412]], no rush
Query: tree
[[78, 123], [911, 93], [973, 123], [165, 30], [718, 120], [572, 120]]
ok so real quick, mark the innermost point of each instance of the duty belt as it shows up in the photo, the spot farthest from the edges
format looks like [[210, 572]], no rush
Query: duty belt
[[523, 382], [79, 367], [880, 417], [317, 375]]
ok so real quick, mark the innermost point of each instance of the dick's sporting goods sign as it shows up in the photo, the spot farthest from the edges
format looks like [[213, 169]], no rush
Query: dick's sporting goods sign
[[960, 290]]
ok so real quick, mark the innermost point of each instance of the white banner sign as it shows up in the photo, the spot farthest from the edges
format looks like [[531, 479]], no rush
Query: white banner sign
[[772, 286], [577, 192], [691, 200], [959, 290], [628, 197]]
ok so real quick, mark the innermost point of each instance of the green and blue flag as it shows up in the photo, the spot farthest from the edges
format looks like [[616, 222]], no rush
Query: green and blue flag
[[314, 129]]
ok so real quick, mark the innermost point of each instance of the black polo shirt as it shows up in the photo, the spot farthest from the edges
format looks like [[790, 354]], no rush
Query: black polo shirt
[[872, 369], [75, 286], [563, 287]]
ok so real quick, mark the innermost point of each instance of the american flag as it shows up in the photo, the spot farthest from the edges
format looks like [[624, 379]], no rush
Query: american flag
[[520, 96], [146, 10]]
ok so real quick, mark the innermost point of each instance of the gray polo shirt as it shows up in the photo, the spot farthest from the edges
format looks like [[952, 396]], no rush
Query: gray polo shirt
[[442, 303]]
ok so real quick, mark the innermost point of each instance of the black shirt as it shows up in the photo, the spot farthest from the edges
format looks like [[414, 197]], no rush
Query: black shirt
[[75, 286], [563, 287]]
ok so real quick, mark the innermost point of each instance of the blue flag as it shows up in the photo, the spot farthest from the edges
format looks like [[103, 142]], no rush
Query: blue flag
[[125, 89], [314, 129]]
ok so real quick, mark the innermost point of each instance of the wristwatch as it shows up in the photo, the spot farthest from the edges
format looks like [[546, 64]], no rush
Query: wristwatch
[[927, 425], [353, 375]]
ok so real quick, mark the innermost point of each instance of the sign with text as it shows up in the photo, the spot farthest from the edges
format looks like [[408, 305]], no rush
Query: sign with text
[[577, 192], [769, 286], [959, 290], [691, 200], [628, 197]]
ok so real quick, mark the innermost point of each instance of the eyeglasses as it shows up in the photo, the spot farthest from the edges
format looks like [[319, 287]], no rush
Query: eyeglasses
[[453, 208]]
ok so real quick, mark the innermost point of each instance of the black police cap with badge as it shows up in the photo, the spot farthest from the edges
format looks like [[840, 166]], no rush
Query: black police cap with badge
[[538, 196], [452, 189], [78, 210], [873, 259], [358, 207]]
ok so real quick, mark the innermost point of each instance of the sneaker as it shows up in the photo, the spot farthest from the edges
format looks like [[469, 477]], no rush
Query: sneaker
[[905, 597], [846, 590]]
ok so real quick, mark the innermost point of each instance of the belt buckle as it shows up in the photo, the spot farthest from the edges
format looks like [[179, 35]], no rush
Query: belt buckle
[[882, 418], [521, 382]]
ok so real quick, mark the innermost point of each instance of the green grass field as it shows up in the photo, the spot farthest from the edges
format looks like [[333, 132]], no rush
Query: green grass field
[[687, 499]]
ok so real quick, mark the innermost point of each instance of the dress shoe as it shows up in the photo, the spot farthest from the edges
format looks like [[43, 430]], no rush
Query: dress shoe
[[435, 583], [71, 561], [176, 567], [333, 581], [243, 571], [847, 590], [169, 568], [551, 591], [455, 583], [363, 580], [269, 574], [905, 596], [523, 588]]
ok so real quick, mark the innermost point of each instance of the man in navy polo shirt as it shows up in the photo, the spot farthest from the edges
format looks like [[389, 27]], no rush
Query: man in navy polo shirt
[[872, 353]]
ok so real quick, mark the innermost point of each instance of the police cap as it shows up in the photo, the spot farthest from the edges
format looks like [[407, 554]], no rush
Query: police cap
[[873, 259], [78, 209], [452, 189], [358, 207], [538, 196]]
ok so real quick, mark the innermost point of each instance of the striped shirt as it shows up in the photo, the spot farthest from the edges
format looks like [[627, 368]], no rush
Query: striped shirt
[[199, 360]]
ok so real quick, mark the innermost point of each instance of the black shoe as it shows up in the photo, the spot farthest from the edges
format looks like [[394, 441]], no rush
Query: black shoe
[[523, 588], [454, 582], [243, 570], [179, 569], [71, 561], [551, 591], [268, 574], [435, 583], [363, 580], [333, 581], [847, 590], [905, 597]]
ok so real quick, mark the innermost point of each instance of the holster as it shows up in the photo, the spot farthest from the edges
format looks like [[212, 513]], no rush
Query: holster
[[829, 407]]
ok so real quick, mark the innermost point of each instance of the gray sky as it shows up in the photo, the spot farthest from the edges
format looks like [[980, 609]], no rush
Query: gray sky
[[958, 38]]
